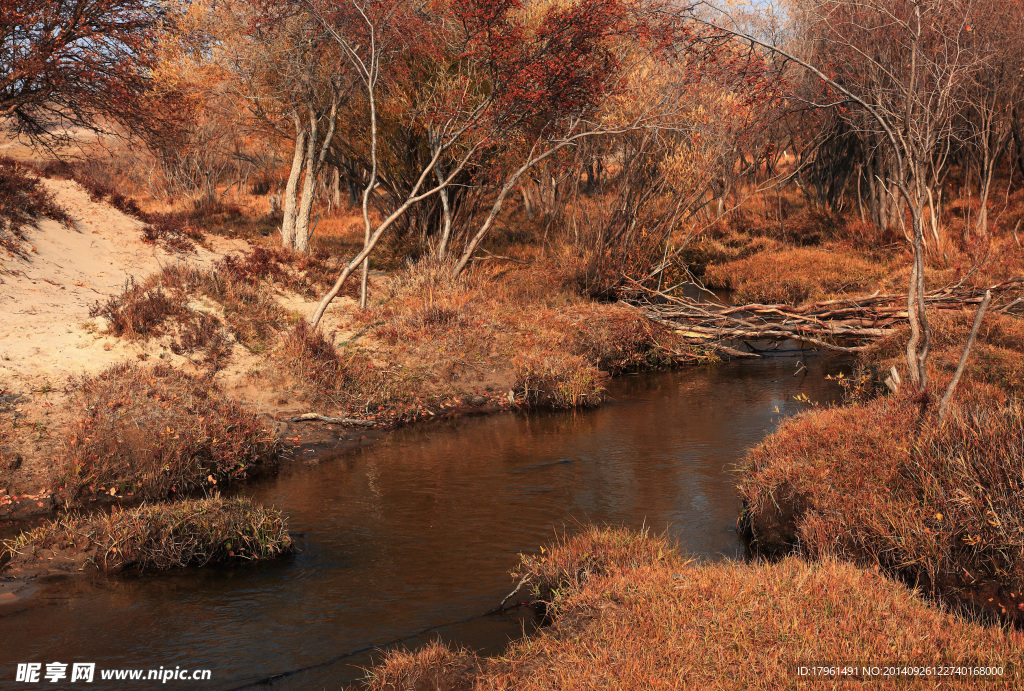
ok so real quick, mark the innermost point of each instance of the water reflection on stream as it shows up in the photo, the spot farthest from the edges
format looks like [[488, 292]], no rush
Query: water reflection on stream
[[422, 529]]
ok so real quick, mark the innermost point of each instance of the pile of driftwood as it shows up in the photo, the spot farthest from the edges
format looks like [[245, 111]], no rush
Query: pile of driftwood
[[847, 325]]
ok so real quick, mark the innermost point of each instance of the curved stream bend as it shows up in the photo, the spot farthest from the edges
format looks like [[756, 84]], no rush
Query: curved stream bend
[[423, 528]]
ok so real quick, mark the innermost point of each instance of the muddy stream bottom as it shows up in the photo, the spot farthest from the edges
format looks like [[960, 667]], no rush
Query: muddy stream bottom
[[414, 538]]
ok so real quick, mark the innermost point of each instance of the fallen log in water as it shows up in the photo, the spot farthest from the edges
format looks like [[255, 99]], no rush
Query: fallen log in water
[[846, 325]]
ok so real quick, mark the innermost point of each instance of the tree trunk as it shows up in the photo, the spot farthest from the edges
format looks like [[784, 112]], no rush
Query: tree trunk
[[527, 202], [336, 187], [308, 190], [314, 164], [290, 202], [987, 169], [920, 335]]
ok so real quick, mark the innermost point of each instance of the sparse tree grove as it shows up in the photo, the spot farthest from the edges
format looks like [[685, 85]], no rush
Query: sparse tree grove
[[629, 127]]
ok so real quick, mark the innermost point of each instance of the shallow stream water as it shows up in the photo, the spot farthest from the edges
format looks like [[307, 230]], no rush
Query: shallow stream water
[[414, 537]]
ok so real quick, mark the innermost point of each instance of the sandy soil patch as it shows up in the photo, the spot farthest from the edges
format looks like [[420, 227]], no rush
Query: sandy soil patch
[[46, 333]]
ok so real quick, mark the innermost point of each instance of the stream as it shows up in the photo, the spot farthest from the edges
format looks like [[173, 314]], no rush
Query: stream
[[414, 537]]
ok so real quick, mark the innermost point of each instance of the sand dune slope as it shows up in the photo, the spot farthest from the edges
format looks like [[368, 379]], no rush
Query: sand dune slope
[[45, 330]]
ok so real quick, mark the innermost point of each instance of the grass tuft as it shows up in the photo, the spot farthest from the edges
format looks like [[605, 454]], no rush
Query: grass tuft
[[192, 532], [434, 667]]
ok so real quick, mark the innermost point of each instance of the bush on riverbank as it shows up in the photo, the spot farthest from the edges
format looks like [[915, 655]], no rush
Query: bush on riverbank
[[630, 608], [158, 432], [192, 532], [934, 504]]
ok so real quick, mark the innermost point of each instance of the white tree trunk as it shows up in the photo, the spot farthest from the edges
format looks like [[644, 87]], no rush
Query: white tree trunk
[[290, 202], [308, 190]]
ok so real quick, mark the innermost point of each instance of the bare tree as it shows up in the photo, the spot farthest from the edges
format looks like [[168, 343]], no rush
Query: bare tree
[[904, 65], [290, 73], [995, 91]]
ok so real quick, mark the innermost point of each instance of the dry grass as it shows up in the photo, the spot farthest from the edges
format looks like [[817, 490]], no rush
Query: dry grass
[[159, 432], [520, 329], [811, 255], [629, 612], [193, 532], [797, 275], [935, 504]]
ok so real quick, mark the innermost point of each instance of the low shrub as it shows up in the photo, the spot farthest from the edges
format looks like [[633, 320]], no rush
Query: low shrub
[[159, 432], [192, 532], [140, 312], [629, 611], [936, 504], [23, 200]]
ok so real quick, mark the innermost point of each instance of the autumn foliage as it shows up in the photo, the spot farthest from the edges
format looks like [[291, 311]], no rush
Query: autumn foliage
[[70, 64]]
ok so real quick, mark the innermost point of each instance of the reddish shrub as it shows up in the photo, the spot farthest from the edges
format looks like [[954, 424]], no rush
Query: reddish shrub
[[160, 432]]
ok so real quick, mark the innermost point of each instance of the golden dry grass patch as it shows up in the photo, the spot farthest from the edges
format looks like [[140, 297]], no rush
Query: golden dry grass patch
[[631, 612]]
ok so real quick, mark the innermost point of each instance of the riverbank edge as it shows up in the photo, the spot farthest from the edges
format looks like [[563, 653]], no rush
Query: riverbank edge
[[294, 435], [630, 606]]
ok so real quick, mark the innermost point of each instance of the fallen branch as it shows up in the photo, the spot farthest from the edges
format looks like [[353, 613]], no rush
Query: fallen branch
[[845, 325], [944, 404], [501, 608], [498, 257], [308, 417]]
